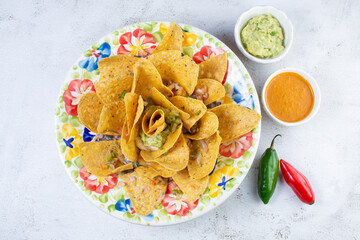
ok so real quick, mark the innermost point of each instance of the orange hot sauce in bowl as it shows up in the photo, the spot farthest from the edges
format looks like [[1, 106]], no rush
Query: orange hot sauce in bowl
[[289, 97]]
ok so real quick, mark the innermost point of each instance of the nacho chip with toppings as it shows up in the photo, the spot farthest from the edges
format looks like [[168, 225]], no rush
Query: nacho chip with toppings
[[235, 120], [191, 188], [128, 145], [209, 90], [214, 67], [155, 97], [153, 169], [117, 67], [154, 123], [162, 59], [112, 118], [146, 171], [134, 106], [89, 110], [169, 143], [103, 158], [110, 91], [162, 171], [131, 108], [183, 71], [205, 127], [146, 77], [176, 158], [172, 39], [203, 156], [194, 107], [145, 193]]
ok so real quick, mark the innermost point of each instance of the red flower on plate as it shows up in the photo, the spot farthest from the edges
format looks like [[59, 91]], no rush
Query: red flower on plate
[[173, 202], [74, 92], [98, 184], [138, 43], [206, 52], [236, 148]]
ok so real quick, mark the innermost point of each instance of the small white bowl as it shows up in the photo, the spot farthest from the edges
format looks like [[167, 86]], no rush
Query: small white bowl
[[314, 85], [284, 22]]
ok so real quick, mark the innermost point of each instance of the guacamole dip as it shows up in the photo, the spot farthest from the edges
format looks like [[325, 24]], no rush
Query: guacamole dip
[[263, 37], [172, 120]]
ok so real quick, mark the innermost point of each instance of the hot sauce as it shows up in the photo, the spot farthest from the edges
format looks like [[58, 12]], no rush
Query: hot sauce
[[289, 97]]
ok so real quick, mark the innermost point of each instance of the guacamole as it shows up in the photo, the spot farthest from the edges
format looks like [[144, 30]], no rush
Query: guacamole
[[172, 120], [263, 37]]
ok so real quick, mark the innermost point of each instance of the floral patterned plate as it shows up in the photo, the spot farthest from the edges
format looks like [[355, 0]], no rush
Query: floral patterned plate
[[234, 159]]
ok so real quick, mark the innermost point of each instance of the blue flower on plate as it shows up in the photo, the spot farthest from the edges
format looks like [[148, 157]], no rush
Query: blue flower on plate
[[68, 142], [87, 135], [224, 182], [124, 205], [91, 63], [242, 95]]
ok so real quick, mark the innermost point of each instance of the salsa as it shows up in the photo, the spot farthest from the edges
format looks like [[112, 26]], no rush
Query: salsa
[[289, 97], [263, 37]]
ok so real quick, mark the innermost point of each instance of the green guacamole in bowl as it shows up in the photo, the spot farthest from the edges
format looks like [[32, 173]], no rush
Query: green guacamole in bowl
[[263, 37]]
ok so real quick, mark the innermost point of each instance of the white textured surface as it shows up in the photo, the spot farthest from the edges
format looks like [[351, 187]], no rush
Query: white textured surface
[[40, 41]]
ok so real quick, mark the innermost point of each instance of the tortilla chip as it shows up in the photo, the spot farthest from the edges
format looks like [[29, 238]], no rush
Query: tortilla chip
[[155, 123], [153, 169], [94, 156], [169, 143], [192, 188], [183, 71], [203, 158], [142, 162], [131, 107], [207, 126], [117, 67], [214, 67], [145, 193], [213, 89], [146, 76], [89, 110], [139, 111], [176, 158], [112, 118], [128, 145], [162, 59], [129, 133], [172, 40], [235, 120], [194, 107], [110, 91], [156, 98], [162, 171], [146, 171]]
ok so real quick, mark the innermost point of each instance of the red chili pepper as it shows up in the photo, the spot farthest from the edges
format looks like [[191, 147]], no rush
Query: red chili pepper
[[298, 182]]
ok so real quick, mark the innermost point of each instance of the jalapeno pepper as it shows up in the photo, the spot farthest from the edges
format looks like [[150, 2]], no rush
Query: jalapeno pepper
[[268, 173], [298, 182]]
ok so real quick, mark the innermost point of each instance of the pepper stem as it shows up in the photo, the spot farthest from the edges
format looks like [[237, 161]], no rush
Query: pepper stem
[[272, 142]]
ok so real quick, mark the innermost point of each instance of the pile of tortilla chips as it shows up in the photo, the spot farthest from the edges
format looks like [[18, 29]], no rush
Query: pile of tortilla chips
[[162, 98]]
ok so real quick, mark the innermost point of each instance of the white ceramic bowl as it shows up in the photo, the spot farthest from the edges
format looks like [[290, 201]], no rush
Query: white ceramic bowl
[[314, 85], [284, 22]]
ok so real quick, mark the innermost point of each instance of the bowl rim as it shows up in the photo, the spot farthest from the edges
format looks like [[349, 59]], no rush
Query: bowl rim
[[289, 34], [313, 84]]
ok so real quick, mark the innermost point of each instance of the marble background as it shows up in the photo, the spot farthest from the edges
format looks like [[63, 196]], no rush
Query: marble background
[[40, 40]]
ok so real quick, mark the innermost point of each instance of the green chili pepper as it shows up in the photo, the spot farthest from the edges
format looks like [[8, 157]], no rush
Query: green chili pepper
[[268, 173]]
